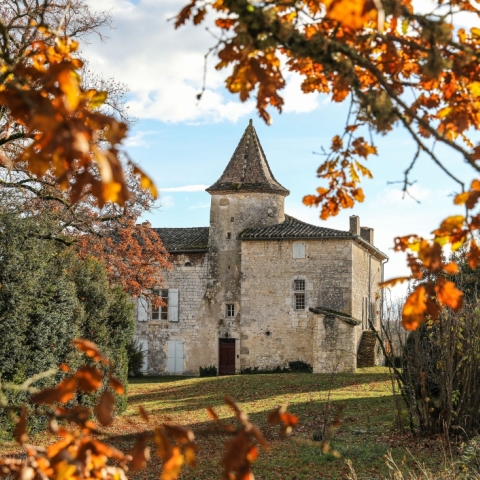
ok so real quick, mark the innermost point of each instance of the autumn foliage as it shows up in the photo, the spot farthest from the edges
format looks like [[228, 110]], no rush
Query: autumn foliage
[[77, 453], [398, 64]]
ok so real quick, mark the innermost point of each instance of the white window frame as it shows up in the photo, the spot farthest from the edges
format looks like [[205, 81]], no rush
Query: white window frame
[[299, 250]]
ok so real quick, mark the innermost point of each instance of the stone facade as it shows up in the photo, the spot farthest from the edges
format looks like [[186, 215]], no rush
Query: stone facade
[[260, 289]]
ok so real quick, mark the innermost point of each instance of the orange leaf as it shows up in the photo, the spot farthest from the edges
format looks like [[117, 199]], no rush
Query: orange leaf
[[90, 349], [473, 256], [414, 309], [451, 268], [448, 294], [393, 281]]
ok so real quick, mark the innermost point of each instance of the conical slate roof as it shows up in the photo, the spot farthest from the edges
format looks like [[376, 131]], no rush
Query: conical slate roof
[[248, 169]]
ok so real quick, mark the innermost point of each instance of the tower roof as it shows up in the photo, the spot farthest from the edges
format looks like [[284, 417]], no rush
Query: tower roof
[[248, 169]]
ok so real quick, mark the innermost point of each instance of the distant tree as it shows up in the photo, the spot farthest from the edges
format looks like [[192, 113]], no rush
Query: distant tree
[[398, 63]]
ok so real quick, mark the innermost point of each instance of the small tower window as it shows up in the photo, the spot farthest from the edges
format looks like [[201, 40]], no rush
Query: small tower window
[[232, 219], [229, 235], [230, 310]]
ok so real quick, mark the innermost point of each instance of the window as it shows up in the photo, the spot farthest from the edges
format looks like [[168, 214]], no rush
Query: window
[[161, 313], [299, 285], [230, 310], [299, 301], [299, 295], [229, 235], [232, 219], [298, 249], [187, 264]]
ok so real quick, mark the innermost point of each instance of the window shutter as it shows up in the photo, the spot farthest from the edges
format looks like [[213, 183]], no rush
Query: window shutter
[[298, 250], [171, 356], [173, 305], [179, 357], [142, 306], [144, 347]]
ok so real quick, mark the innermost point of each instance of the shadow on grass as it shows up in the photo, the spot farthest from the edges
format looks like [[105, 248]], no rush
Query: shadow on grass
[[244, 388]]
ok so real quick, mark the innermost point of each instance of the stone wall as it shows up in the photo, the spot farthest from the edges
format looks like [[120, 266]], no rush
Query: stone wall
[[334, 346], [366, 275], [191, 282], [273, 332]]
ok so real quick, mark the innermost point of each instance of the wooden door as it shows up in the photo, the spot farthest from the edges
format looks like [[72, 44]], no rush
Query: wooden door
[[226, 356]]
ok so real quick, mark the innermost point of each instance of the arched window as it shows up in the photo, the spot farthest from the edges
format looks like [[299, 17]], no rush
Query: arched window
[[187, 264]]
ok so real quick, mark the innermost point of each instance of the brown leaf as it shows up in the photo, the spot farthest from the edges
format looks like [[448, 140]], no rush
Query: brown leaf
[[180, 434], [88, 378], [140, 453], [20, 432], [104, 409], [143, 413], [117, 386], [62, 393]]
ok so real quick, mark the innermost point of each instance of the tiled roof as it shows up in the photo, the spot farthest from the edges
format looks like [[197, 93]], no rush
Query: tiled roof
[[248, 169], [184, 239], [292, 228]]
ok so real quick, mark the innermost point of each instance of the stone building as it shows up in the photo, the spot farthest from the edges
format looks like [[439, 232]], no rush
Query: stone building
[[259, 288]]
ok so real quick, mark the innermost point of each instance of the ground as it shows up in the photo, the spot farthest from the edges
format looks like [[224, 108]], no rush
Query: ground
[[366, 434]]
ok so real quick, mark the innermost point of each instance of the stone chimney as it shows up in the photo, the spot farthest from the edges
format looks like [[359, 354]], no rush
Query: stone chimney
[[147, 224], [355, 224], [367, 234]]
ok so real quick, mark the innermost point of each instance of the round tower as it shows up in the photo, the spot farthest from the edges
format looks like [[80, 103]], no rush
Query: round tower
[[246, 195]]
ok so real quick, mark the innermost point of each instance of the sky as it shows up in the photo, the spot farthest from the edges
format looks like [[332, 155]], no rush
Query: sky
[[184, 145]]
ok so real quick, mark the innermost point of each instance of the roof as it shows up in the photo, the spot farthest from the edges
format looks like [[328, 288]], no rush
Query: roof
[[184, 239], [342, 316], [292, 228], [248, 169]]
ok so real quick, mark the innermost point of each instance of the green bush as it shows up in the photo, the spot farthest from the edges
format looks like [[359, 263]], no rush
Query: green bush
[[135, 357], [48, 297], [210, 371]]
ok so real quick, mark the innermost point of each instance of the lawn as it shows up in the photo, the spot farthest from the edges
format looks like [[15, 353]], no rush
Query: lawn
[[366, 434]]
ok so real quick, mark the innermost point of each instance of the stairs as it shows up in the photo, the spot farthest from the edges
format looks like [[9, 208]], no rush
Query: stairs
[[366, 350]]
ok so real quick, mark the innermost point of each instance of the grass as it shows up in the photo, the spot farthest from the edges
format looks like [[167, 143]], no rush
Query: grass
[[365, 436]]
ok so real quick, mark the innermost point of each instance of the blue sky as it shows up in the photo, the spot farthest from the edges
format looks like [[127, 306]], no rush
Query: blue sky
[[185, 145]]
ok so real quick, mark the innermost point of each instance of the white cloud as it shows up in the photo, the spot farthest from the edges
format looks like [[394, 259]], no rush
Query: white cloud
[[199, 205], [395, 196], [138, 140], [185, 188], [295, 100], [162, 66], [166, 202]]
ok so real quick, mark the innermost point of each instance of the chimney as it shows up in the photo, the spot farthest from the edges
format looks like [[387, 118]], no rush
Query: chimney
[[147, 224], [367, 234], [355, 224]]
